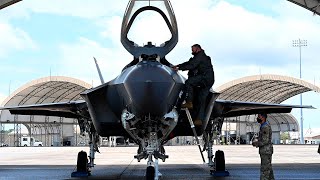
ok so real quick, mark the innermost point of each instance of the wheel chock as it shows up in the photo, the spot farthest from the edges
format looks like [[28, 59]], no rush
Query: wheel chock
[[219, 173], [80, 174]]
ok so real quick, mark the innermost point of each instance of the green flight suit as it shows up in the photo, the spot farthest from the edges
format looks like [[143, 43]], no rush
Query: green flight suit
[[265, 151]]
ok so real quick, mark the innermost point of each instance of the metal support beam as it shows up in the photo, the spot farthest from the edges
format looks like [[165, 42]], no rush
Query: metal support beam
[[61, 131], [46, 133], [17, 131], [1, 133], [31, 120], [238, 130], [75, 131], [228, 129]]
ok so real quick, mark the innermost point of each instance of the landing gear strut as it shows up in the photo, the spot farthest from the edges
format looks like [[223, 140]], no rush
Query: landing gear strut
[[218, 167], [83, 164], [152, 172]]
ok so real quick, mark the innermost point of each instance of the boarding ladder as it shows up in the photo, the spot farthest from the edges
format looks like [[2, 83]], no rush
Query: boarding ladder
[[194, 131]]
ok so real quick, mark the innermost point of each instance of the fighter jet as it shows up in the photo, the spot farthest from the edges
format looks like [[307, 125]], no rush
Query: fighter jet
[[140, 103]]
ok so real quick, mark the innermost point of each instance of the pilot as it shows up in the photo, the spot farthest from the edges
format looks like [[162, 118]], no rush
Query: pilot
[[204, 78], [183, 96], [265, 147]]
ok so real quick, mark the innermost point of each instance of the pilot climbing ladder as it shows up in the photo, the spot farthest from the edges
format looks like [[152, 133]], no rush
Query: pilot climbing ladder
[[194, 131]]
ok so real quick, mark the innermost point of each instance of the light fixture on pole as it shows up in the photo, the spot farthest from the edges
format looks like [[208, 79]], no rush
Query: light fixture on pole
[[299, 43]]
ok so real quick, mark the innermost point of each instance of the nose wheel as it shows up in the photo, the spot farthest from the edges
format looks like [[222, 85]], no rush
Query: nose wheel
[[150, 173]]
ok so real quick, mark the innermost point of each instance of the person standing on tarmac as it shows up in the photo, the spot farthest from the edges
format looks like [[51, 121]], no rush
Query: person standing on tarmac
[[204, 78], [265, 148]]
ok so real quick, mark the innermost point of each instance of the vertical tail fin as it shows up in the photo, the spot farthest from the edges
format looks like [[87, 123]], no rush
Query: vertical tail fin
[[99, 72]]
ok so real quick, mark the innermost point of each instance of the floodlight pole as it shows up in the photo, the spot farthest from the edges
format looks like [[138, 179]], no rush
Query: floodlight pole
[[299, 43]]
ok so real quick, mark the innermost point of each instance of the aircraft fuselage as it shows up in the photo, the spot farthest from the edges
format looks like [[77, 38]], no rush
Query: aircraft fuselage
[[147, 91]]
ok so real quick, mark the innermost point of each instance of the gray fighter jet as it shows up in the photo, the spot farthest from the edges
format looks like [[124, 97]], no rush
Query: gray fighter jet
[[140, 103]]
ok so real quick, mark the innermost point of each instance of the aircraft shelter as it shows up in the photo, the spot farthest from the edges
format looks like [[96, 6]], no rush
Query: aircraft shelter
[[57, 131], [273, 89], [50, 130]]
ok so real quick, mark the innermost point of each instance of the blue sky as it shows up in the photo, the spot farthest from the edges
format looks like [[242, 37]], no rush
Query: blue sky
[[243, 38]]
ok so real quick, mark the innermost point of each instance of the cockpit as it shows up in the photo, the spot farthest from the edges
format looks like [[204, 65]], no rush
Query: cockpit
[[134, 8], [149, 57]]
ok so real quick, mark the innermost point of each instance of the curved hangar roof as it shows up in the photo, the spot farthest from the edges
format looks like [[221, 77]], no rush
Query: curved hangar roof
[[312, 5], [267, 89], [264, 88], [45, 90]]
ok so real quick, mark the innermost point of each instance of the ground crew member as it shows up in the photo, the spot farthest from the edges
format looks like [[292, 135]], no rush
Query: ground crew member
[[200, 63], [265, 148]]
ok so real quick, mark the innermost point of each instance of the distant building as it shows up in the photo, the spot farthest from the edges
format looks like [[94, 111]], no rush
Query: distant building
[[312, 139]]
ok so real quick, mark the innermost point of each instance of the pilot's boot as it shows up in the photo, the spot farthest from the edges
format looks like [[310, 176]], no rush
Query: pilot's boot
[[197, 122], [188, 105]]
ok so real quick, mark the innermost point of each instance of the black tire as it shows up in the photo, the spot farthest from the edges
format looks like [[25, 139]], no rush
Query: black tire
[[219, 160], [150, 173], [25, 145], [82, 162]]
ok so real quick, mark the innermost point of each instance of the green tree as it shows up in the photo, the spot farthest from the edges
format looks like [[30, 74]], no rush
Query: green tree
[[285, 136], [7, 131]]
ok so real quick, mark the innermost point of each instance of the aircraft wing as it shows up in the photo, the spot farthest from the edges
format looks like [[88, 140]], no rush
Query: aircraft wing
[[237, 108], [72, 109]]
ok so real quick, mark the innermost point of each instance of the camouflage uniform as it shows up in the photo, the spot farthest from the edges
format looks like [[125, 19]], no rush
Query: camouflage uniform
[[265, 151]]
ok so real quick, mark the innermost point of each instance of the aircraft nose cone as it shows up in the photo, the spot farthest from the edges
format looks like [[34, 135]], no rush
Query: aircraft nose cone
[[150, 90]]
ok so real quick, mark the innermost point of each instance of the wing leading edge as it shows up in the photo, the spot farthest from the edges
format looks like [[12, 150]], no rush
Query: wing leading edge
[[238, 108], [72, 109]]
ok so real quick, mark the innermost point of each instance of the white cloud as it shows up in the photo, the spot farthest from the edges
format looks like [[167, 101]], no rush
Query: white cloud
[[17, 10], [236, 37], [149, 26], [240, 42], [77, 60], [13, 38], [112, 28], [84, 9]]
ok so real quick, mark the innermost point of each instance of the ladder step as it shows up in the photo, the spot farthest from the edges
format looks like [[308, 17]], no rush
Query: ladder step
[[194, 131]]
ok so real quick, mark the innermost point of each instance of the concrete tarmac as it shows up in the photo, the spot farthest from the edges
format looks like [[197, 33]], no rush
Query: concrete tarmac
[[242, 162]]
